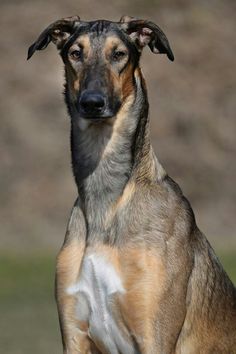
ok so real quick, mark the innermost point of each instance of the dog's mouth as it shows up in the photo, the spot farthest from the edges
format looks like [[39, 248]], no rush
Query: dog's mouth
[[85, 122], [96, 117]]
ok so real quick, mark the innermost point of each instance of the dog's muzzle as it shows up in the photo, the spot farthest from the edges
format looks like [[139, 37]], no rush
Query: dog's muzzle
[[92, 104]]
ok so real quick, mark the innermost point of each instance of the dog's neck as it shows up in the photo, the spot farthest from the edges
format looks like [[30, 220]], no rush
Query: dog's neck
[[107, 156]]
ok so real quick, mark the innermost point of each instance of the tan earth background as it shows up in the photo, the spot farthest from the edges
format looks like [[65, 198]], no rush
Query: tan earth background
[[192, 107]]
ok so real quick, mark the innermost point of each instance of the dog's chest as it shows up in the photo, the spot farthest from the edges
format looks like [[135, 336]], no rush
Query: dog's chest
[[98, 291]]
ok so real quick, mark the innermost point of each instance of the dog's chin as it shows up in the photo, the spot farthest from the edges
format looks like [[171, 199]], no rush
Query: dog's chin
[[94, 118], [87, 121]]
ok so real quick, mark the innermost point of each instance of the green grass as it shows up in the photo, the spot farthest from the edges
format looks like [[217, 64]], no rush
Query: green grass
[[228, 261], [28, 321]]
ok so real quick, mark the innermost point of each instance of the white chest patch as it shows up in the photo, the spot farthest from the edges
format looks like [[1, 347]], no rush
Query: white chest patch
[[95, 291], [97, 277]]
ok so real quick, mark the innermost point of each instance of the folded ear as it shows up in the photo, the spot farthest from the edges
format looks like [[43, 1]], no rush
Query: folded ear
[[144, 32], [58, 32]]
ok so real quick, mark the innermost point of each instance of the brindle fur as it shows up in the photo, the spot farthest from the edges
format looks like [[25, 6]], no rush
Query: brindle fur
[[177, 298]]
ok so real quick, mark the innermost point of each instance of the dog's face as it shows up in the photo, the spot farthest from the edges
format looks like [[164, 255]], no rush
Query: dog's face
[[99, 63], [100, 59]]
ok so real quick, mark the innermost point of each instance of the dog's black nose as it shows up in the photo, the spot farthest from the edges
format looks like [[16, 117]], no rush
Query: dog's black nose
[[92, 103]]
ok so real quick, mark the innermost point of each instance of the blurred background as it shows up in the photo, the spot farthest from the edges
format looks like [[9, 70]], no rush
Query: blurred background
[[193, 105]]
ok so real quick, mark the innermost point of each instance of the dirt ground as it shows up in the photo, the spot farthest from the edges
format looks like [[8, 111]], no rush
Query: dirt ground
[[193, 105]]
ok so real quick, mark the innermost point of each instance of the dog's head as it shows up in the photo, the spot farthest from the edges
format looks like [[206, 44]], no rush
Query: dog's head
[[100, 59]]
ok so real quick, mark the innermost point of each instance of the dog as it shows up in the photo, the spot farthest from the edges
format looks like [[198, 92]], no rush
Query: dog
[[135, 275]]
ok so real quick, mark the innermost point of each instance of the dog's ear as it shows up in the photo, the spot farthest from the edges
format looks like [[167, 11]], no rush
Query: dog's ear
[[144, 32], [58, 33]]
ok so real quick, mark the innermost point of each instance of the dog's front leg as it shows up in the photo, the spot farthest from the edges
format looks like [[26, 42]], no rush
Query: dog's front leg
[[74, 335]]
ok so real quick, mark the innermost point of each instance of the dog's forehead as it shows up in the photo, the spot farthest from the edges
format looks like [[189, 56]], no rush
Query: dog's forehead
[[101, 27], [99, 30]]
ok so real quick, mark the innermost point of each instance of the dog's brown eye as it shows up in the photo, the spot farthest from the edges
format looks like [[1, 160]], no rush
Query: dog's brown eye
[[118, 55], [76, 54]]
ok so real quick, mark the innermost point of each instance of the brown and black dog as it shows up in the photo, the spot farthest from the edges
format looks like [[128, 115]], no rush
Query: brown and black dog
[[135, 274]]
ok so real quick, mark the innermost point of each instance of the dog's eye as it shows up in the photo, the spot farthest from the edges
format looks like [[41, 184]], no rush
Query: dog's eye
[[118, 55], [76, 54]]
